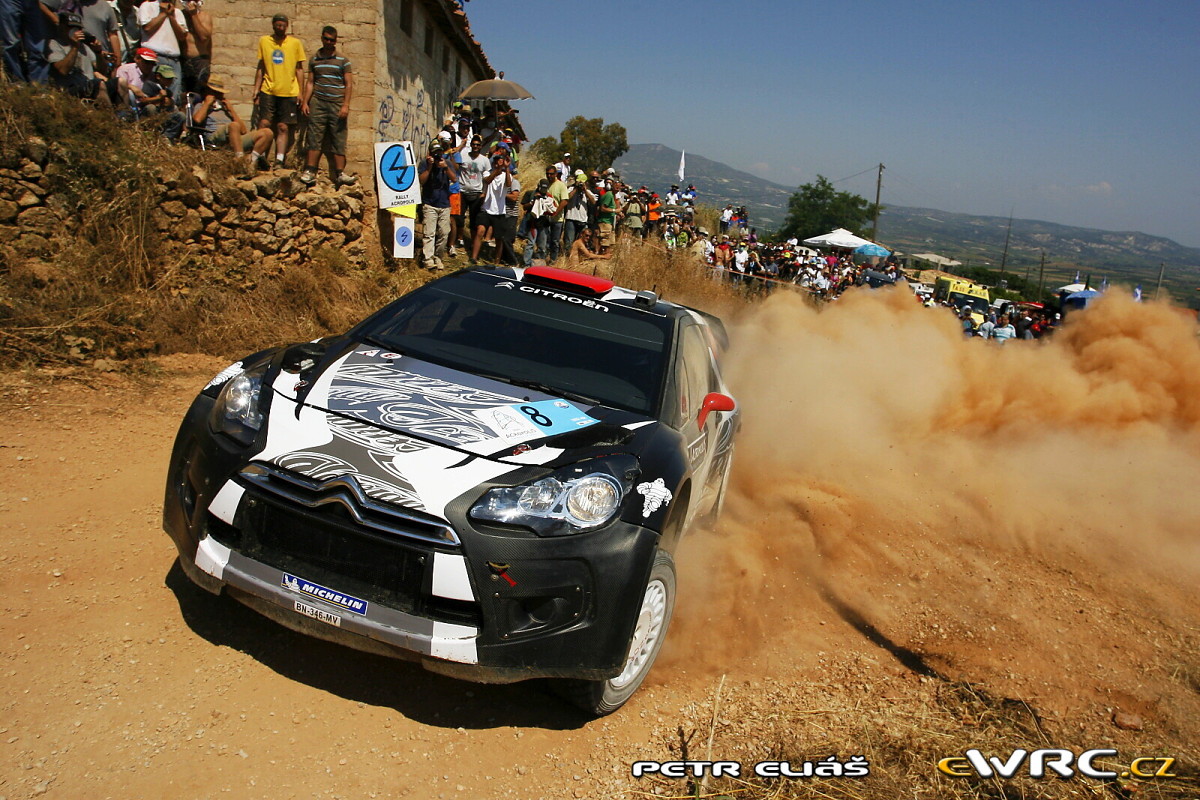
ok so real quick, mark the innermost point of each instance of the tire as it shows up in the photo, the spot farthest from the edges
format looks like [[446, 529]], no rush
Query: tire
[[654, 618]]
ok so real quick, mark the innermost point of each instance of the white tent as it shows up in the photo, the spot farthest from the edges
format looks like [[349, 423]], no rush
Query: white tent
[[838, 238]]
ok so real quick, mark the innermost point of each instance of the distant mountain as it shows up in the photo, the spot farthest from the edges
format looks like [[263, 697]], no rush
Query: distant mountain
[[976, 240], [657, 166]]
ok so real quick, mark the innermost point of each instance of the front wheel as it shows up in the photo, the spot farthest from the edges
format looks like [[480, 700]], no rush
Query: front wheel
[[654, 617]]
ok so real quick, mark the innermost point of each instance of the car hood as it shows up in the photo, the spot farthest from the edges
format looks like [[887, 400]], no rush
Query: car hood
[[434, 404], [418, 434]]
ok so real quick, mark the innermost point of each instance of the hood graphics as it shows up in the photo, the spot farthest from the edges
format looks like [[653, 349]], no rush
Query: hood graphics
[[406, 429], [446, 406]]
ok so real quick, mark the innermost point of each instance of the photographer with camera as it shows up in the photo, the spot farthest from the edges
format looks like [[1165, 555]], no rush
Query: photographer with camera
[[99, 28], [221, 122], [164, 30], [73, 60], [535, 227], [496, 187], [436, 174], [198, 45]]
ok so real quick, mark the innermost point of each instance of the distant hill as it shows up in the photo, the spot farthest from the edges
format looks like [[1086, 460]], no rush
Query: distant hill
[[1126, 256], [657, 166]]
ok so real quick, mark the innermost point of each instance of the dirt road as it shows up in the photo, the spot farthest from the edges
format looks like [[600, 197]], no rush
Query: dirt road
[[845, 597]]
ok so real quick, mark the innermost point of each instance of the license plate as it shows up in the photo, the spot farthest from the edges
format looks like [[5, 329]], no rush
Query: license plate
[[318, 614]]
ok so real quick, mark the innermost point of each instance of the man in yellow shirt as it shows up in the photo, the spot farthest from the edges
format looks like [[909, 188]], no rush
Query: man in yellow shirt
[[279, 83]]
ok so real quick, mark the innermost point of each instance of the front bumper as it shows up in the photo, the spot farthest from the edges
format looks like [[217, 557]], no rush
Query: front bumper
[[501, 606]]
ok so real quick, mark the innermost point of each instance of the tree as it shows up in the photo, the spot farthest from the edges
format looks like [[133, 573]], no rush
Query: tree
[[591, 143], [817, 208]]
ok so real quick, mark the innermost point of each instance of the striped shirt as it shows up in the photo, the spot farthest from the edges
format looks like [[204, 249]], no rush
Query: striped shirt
[[329, 76]]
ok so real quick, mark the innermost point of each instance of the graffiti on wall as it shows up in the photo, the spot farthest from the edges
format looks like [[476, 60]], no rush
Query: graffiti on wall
[[404, 119]]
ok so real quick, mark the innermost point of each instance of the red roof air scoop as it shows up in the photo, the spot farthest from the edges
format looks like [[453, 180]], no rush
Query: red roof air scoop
[[566, 279]]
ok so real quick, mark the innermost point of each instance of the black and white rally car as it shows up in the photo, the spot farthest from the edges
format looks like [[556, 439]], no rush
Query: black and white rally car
[[489, 475]]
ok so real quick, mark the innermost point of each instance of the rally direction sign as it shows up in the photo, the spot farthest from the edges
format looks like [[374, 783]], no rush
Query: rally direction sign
[[403, 237], [396, 174]]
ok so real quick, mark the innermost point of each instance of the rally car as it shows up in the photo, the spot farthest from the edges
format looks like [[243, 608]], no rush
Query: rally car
[[490, 475]]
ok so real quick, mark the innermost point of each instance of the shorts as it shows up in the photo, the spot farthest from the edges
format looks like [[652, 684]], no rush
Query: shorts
[[472, 204], [456, 204], [326, 130], [221, 135], [277, 109], [606, 234]]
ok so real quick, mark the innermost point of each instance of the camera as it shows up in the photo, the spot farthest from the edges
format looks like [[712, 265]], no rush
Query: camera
[[89, 39]]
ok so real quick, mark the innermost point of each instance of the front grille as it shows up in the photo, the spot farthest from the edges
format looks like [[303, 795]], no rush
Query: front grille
[[344, 490], [328, 546]]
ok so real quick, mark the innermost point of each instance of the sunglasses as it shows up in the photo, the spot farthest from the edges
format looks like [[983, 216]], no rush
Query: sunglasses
[[330, 39]]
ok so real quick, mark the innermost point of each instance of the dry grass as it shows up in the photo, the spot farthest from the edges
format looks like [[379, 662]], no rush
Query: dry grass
[[904, 729]]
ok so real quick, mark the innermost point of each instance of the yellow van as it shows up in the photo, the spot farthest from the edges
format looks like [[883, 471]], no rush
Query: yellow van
[[960, 292]]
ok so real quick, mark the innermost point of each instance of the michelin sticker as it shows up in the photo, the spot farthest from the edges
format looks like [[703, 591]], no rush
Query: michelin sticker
[[520, 422], [311, 589], [655, 495]]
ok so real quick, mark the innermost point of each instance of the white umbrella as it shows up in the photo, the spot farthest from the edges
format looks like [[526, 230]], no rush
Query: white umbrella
[[838, 238]]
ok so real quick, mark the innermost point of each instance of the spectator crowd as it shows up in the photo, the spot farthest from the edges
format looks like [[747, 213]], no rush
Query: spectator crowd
[[472, 198], [151, 61]]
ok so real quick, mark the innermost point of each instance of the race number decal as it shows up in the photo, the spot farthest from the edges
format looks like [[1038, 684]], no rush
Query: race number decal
[[521, 422]]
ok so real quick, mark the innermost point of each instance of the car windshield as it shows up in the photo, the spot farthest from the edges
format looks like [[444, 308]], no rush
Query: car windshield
[[977, 304], [485, 324]]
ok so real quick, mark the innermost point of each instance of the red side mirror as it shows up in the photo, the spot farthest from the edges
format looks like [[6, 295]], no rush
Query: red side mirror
[[714, 401]]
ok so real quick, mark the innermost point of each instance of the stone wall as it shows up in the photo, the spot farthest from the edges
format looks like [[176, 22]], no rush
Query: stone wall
[[30, 215], [266, 215], [225, 218]]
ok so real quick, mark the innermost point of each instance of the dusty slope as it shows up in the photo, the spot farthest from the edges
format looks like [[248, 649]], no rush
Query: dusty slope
[[911, 512]]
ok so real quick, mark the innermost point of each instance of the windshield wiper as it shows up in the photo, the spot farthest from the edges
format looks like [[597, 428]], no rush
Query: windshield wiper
[[546, 388], [371, 340]]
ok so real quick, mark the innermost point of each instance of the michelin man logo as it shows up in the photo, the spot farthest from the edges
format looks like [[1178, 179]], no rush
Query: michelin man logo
[[655, 494]]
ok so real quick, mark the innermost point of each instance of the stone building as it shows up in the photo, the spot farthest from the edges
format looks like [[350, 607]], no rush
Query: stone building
[[411, 59]]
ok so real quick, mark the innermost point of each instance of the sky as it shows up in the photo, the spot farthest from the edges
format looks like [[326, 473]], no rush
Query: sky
[[1080, 113]]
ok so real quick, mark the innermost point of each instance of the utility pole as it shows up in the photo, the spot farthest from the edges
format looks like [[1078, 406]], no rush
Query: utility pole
[[1162, 267], [878, 187], [1007, 236], [1042, 277]]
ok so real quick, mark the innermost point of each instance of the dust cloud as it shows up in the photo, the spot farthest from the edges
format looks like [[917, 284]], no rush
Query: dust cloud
[[930, 485]]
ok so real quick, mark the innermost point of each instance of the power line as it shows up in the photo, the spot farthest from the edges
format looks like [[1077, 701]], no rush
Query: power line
[[871, 168], [893, 177]]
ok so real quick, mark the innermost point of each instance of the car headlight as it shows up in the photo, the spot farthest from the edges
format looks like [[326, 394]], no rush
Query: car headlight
[[238, 411], [556, 505]]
